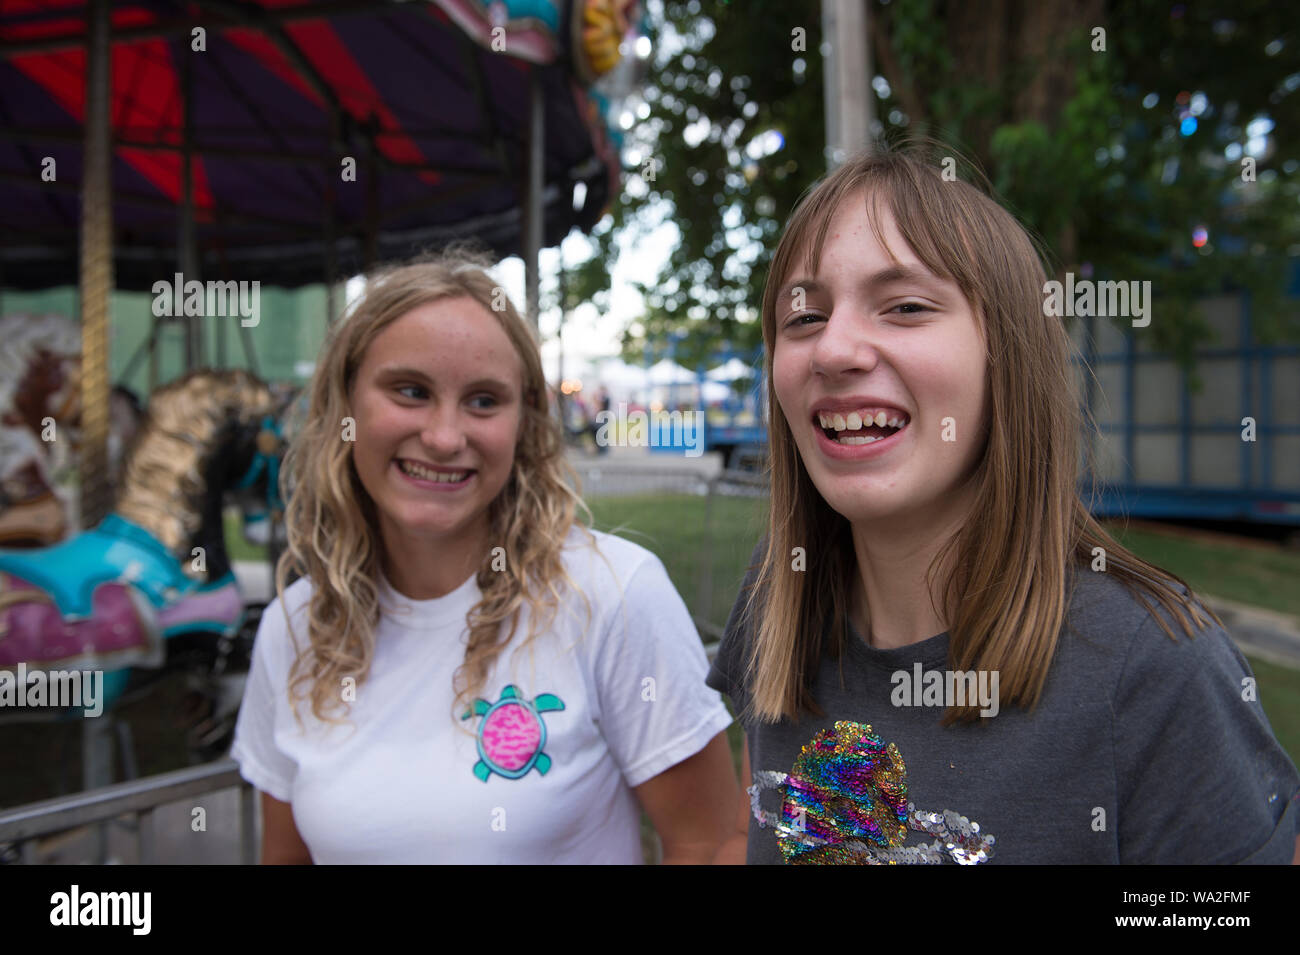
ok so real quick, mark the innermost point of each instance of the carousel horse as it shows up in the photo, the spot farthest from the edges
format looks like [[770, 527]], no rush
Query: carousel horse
[[40, 411], [39, 398], [151, 590]]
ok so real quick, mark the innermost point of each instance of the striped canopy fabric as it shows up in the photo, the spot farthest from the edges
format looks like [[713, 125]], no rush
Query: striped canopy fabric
[[323, 136]]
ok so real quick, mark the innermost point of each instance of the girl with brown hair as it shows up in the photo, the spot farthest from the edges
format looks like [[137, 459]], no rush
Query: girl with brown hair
[[936, 638], [484, 678]]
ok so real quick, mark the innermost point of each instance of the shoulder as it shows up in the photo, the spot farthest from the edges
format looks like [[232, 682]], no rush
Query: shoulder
[[292, 602], [283, 627], [1192, 747], [1153, 679], [605, 563], [1119, 630], [1129, 625]]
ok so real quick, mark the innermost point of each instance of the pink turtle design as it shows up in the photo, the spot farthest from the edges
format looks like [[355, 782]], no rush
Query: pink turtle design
[[512, 734]]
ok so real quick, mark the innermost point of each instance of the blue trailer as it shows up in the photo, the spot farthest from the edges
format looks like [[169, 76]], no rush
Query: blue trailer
[[737, 426], [1229, 451]]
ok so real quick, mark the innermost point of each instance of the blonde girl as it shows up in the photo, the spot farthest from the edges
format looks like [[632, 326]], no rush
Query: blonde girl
[[463, 672]]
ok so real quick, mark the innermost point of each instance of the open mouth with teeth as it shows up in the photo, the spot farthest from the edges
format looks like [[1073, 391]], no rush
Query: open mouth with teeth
[[422, 473], [863, 426]]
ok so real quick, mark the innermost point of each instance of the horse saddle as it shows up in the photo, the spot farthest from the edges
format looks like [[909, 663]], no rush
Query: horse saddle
[[107, 597]]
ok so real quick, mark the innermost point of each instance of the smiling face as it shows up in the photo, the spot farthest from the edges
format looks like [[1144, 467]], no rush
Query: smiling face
[[884, 339], [437, 401]]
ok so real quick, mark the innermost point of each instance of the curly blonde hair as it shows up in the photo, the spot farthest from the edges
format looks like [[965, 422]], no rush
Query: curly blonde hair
[[333, 532]]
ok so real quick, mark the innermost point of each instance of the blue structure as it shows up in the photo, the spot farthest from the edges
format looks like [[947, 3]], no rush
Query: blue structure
[[1230, 451]]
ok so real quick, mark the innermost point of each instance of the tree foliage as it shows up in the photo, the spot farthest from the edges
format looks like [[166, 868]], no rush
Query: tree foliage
[[1113, 148]]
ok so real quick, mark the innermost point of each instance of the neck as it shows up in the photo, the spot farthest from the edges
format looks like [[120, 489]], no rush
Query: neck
[[426, 568], [892, 604]]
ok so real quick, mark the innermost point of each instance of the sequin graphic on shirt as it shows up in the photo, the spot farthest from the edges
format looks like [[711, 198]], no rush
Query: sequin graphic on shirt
[[512, 734], [846, 803]]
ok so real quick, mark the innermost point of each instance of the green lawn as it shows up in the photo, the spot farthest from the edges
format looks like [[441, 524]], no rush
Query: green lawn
[[674, 527], [1249, 575]]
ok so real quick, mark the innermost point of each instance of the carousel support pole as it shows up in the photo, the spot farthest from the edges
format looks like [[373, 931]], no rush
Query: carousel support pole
[[220, 337], [563, 280], [220, 329], [560, 397], [96, 270], [250, 354], [330, 196], [187, 241], [331, 258], [370, 240], [97, 737], [533, 206], [153, 355]]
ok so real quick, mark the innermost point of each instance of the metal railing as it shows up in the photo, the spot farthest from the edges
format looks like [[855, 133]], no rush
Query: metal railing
[[139, 798]]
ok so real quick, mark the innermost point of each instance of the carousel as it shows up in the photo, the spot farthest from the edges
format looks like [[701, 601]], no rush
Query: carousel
[[237, 143]]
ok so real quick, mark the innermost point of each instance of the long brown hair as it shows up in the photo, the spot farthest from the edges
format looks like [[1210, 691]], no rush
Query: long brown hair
[[333, 534], [1005, 600]]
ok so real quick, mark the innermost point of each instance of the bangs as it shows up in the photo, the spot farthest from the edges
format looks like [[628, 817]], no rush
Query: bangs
[[955, 230]]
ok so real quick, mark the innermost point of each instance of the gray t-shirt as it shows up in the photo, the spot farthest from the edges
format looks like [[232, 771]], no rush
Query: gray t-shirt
[[1141, 750]]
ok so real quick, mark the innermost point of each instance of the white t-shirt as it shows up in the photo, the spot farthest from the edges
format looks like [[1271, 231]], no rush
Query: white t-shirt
[[408, 783]]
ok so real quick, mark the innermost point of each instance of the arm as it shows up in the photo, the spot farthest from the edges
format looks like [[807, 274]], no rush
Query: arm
[[281, 843], [732, 851], [691, 803]]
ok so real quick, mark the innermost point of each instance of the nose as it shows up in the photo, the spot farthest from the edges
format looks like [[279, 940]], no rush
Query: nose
[[846, 344], [443, 433]]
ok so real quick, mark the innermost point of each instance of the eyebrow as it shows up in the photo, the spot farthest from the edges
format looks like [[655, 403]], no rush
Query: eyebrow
[[403, 371], [888, 276]]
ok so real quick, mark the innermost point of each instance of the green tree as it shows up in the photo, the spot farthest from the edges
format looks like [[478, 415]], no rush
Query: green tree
[[1107, 127]]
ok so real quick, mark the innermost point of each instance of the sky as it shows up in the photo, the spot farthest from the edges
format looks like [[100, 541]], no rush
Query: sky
[[589, 335]]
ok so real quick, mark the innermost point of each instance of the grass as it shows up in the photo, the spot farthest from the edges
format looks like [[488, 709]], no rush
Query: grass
[[673, 526], [1258, 575]]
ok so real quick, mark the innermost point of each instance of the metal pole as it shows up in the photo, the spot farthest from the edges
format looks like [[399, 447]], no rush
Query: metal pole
[[96, 269], [369, 247], [331, 266], [533, 207], [187, 242], [563, 282], [849, 102]]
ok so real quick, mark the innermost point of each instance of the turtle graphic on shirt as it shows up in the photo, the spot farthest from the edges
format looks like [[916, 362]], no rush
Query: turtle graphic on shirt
[[512, 734]]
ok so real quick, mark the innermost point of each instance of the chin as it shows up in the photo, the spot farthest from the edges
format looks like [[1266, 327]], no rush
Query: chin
[[859, 502]]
